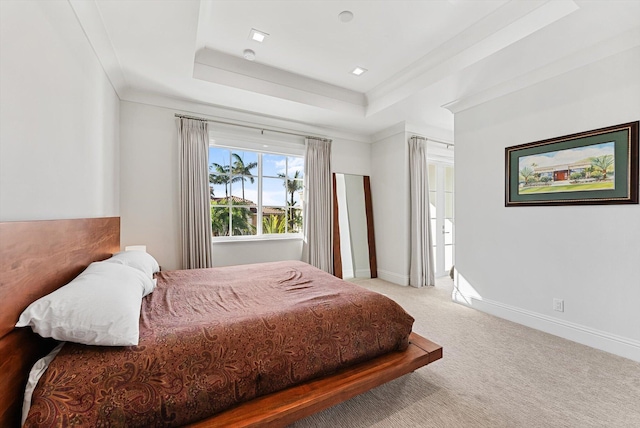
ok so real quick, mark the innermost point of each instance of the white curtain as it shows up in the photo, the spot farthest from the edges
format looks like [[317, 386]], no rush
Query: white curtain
[[317, 249], [195, 205], [421, 271]]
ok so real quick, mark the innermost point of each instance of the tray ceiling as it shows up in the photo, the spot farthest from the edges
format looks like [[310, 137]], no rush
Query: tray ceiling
[[419, 55]]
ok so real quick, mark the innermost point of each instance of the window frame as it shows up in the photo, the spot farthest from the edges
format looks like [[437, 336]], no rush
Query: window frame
[[249, 146]]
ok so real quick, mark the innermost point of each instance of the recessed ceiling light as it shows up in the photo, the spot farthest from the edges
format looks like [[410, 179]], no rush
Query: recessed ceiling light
[[358, 71], [249, 55], [257, 35], [345, 16]]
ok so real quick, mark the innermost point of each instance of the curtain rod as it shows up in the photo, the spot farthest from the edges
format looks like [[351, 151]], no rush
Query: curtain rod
[[435, 141], [261, 129]]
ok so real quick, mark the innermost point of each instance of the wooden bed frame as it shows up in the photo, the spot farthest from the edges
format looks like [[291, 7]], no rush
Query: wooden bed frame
[[38, 257]]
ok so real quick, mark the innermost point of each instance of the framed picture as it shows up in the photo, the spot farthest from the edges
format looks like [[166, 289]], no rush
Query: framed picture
[[594, 167]]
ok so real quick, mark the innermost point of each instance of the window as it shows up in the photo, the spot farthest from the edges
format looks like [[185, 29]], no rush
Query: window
[[255, 193]]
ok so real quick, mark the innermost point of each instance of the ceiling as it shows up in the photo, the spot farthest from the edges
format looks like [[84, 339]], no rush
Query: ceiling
[[420, 55]]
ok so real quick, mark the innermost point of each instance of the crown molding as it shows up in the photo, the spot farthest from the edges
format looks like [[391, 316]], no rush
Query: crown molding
[[90, 19], [507, 25], [623, 42], [241, 117], [431, 132], [398, 128]]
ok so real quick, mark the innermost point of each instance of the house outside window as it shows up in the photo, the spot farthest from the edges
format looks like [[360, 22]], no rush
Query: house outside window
[[255, 193]]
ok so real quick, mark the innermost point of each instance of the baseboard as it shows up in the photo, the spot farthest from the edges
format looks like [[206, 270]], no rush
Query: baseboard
[[393, 277], [618, 345], [348, 273], [363, 273]]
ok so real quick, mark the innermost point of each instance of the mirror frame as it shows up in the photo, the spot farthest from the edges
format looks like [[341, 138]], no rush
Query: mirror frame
[[337, 255]]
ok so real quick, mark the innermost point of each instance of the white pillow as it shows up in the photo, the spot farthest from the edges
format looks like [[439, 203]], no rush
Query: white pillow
[[35, 374], [101, 306], [140, 260]]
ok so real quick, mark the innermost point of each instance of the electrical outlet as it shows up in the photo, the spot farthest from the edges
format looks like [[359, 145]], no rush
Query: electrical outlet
[[558, 305]]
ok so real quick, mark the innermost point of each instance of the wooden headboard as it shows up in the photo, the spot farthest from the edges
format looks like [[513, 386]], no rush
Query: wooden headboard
[[36, 258]]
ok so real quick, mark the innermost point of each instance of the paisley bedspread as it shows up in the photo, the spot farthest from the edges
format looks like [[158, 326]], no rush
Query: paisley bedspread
[[212, 338]]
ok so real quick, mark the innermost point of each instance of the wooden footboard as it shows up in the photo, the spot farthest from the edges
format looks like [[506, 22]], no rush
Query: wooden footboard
[[282, 408]]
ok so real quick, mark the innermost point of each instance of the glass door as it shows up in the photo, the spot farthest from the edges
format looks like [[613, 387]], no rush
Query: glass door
[[441, 201]]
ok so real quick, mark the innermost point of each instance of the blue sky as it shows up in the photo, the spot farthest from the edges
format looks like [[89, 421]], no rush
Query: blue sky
[[273, 187]]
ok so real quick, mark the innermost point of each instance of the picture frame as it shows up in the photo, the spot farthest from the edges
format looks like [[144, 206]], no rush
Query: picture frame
[[597, 167]]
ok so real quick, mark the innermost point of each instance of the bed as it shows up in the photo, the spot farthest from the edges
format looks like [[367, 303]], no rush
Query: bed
[[38, 257]]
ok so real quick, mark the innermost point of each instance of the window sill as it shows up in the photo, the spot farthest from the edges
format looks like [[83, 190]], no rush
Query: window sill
[[261, 238]]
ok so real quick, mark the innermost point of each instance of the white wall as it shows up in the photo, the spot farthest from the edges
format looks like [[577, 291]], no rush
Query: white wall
[[59, 116], [513, 261], [149, 181], [390, 200], [149, 190], [257, 251], [350, 157]]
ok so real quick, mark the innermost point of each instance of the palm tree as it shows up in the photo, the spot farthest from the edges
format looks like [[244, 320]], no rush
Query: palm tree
[[220, 176], [293, 186], [526, 173], [294, 218], [603, 163], [241, 171], [536, 175]]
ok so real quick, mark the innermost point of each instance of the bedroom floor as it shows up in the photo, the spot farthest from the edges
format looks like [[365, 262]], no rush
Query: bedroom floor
[[494, 373]]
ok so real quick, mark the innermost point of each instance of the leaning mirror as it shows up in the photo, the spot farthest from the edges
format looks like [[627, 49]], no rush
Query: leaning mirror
[[354, 248]]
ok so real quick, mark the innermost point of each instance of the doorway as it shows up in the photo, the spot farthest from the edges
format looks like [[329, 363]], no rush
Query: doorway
[[442, 212]]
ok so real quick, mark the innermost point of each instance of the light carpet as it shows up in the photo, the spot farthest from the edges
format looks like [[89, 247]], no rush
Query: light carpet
[[494, 373]]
